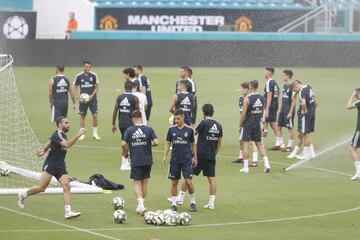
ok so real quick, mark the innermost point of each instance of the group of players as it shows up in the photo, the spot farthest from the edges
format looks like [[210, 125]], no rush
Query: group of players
[[133, 109]]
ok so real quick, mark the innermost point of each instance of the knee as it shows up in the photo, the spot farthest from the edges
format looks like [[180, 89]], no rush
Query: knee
[[66, 188], [174, 183], [42, 189], [188, 182]]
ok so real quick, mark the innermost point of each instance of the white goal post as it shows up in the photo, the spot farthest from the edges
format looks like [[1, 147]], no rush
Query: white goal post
[[19, 165]]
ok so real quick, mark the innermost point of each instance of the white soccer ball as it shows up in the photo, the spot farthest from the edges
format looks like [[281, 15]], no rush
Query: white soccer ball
[[169, 212], [84, 98], [185, 218], [4, 171], [15, 27], [120, 216], [118, 203], [159, 218], [149, 217], [170, 220]]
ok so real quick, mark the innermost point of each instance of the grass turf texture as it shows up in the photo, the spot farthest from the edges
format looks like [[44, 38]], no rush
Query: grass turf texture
[[243, 200]]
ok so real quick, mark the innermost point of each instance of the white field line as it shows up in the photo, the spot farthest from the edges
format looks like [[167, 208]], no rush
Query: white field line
[[195, 225], [76, 229]]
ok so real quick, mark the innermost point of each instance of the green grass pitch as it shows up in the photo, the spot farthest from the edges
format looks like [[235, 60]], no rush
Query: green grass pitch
[[314, 201]]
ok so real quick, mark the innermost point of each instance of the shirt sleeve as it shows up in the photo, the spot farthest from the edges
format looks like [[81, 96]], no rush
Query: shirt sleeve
[[199, 127], [220, 131], [144, 81], [97, 80], [76, 81], [57, 138], [127, 136], [357, 104], [168, 136], [192, 136], [153, 134]]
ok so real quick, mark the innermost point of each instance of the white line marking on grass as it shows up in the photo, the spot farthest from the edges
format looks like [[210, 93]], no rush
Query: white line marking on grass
[[319, 154], [199, 225], [58, 223]]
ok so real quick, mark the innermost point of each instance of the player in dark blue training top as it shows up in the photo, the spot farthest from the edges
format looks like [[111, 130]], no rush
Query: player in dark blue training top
[[271, 106], [251, 122], [355, 143], [138, 140], [88, 82], [287, 110], [59, 89], [193, 91], [144, 88], [183, 101], [54, 165], [184, 72], [306, 120], [183, 157], [125, 104]]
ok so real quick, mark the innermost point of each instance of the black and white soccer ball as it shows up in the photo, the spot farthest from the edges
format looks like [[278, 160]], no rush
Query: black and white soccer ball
[[120, 216], [118, 203], [149, 217], [171, 220], [185, 218], [84, 98], [5, 171], [159, 218], [15, 27]]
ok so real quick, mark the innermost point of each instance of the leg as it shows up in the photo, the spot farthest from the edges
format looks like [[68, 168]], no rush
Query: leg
[[44, 182], [144, 187], [64, 181], [82, 121], [191, 190], [173, 192], [245, 169], [95, 120], [138, 189], [212, 183], [255, 150], [265, 158]]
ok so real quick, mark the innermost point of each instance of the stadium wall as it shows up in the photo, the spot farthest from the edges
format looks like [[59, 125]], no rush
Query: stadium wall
[[176, 53]]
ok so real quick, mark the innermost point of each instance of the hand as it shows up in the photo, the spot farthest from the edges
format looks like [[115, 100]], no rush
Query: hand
[[74, 107], [164, 160], [289, 115], [40, 152], [90, 98], [81, 131], [113, 129], [194, 162]]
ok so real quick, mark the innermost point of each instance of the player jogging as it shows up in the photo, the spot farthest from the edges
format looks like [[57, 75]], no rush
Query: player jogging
[[144, 88], [138, 140], [251, 123], [355, 143], [287, 102], [59, 88], [88, 82], [54, 165], [183, 157], [125, 104], [306, 120]]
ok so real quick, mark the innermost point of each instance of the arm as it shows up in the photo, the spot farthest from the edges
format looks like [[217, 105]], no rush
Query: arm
[[125, 148], [116, 109], [303, 106], [143, 90], [72, 95], [69, 143], [173, 103], [279, 102], [218, 145], [50, 86], [166, 151], [194, 152], [155, 142], [137, 107], [268, 103], [94, 92], [42, 151], [243, 113], [350, 104], [292, 105]]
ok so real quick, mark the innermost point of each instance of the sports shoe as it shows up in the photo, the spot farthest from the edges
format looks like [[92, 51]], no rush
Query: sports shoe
[[174, 208], [82, 137], [238, 160], [96, 137], [72, 214], [209, 206], [286, 149], [303, 156], [21, 200], [291, 155], [275, 148], [125, 167], [178, 202], [244, 170], [254, 164], [355, 177], [141, 211], [267, 170], [192, 207]]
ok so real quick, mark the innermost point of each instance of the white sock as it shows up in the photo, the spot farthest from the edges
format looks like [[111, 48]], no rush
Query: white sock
[[296, 150], [312, 149], [282, 145], [212, 200], [240, 154], [290, 143], [277, 141], [94, 130], [181, 196], [173, 200], [67, 208], [255, 156], [307, 150], [266, 162], [357, 166], [246, 164], [24, 194], [140, 202], [192, 198]]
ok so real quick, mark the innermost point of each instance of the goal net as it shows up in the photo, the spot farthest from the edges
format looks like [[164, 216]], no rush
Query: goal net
[[19, 165]]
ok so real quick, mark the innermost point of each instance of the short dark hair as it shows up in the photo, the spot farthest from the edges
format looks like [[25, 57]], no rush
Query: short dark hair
[[136, 114], [183, 82], [138, 67], [208, 109], [86, 62], [129, 85], [59, 120], [288, 73], [190, 72], [357, 90], [245, 85], [60, 67], [130, 72], [271, 69], [254, 84], [186, 68], [179, 112], [293, 83]]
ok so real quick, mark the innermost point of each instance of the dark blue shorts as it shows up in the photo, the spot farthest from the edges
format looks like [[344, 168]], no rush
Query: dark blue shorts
[[283, 121], [83, 107], [206, 166], [176, 168], [306, 123], [59, 109], [56, 171], [251, 132], [272, 115], [355, 142], [140, 172]]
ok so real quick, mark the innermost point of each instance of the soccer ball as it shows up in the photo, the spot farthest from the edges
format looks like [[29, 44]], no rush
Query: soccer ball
[[84, 98], [118, 203], [170, 220], [120, 216], [4, 171], [168, 212], [159, 218], [149, 217], [185, 218], [16, 27]]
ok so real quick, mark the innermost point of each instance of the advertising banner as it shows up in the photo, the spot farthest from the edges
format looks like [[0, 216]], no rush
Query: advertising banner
[[17, 25], [194, 20]]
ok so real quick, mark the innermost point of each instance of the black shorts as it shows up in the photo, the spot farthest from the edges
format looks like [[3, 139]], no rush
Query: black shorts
[[355, 142], [83, 107], [140, 172], [272, 115], [306, 123], [148, 112], [176, 168], [283, 121], [122, 132], [205, 165], [251, 132], [56, 171], [58, 109]]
